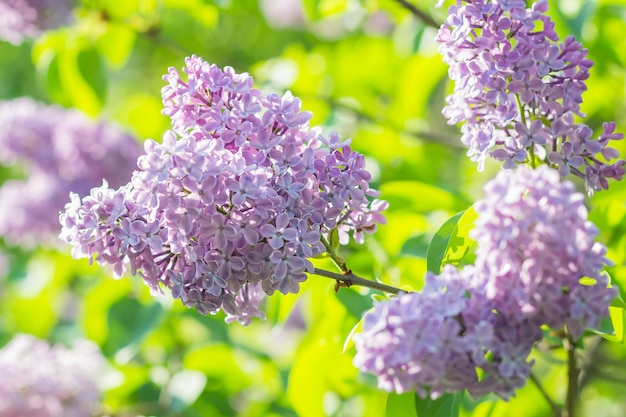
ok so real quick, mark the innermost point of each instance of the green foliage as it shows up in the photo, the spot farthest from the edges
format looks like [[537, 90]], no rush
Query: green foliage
[[367, 69], [412, 405]]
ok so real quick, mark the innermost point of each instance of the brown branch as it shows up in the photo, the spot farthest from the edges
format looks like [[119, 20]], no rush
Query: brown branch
[[349, 279], [572, 376], [421, 15]]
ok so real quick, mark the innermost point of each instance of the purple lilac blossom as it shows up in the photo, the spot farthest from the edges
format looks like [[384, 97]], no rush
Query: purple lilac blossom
[[537, 264], [518, 89], [434, 341], [536, 245], [59, 151], [23, 19], [422, 341], [232, 203], [37, 380]]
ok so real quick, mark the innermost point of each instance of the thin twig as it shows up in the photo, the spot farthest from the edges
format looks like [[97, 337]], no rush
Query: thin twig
[[572, 376], [423, 16], [555, 408], [590, 362], [350, 279]]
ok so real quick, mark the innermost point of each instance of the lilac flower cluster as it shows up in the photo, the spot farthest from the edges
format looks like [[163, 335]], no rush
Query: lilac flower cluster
[[37, 380], [58, 151], [537, 264], [233, 202], [518, 89], [535, 244], [22, 19]]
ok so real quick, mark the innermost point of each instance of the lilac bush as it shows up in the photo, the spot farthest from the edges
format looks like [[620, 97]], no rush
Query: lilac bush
[[537, 264], [24, 19], [38, 380], [518, 90], [233, 203], [58, 151]]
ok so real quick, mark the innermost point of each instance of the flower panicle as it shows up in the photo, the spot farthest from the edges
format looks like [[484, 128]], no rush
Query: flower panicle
[[518, 89], [233, 202]]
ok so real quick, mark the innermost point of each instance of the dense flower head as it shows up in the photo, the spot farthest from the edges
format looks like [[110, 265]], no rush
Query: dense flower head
[[58, 151], [233, 202], [535, 250], [419, 341], [518, 89], [539, 251], [438, 340], [23, 19], [37, 380]]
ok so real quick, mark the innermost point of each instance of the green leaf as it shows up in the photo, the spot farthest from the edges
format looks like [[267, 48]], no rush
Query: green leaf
[[49, 77], [129, 321], [354, 302], [116, 44], [448, 405], [401, 405], [612, 328], [93, 73], [439, 243], [451, 244], [334, 239], [416, 246]]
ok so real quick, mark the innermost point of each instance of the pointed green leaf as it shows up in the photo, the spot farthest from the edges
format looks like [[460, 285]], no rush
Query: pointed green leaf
[[452, 244], [439, 244]]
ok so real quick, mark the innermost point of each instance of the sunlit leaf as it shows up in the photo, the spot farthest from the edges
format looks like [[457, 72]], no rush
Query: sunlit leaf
[[440, 242], [116, 44], [334, 239], [452, 244], [612, 328], [92, 71], [401, 405]]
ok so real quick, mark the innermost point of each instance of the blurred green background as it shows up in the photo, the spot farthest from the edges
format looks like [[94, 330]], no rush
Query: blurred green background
[[366, 68]]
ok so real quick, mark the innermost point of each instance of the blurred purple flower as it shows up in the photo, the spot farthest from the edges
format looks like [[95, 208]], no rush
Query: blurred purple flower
[[23, 19], [59, 151], [37, 380]]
